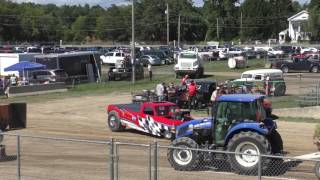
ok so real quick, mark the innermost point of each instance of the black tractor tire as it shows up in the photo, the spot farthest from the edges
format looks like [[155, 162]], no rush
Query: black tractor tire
[[276, 142], [317, 169], [183, 159], [315, 69], [280, 90], [285, 69], [114, 122], [248, 142]]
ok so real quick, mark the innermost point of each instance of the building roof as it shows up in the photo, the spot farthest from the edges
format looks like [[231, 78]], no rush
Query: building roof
[[301, 16], [239, 97], [284, 32], [263, 71], [67, 54]]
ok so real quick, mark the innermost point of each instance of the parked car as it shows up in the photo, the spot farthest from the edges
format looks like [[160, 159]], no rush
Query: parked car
[[308, 50], [235, 51], [112, 57], [308, 63], [49, 75], [286, 49], [150, 59]]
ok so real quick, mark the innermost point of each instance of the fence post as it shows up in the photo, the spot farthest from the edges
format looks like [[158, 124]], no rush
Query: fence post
[[150, 161], [111, 159], [259, 166], [155, 161], [18, 158], [116, 162]]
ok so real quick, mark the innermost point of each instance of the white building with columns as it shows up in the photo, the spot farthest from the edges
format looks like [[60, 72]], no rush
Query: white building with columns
[[297, 30]]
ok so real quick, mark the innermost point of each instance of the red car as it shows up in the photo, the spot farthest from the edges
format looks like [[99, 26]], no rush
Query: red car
[[156, 118]]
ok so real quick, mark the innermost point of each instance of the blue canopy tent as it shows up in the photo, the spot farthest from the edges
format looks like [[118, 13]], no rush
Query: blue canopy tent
[[23, 66]]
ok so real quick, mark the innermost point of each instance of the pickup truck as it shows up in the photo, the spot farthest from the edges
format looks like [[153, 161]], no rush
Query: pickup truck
[[298, 63], [112, 57], [155, 118]]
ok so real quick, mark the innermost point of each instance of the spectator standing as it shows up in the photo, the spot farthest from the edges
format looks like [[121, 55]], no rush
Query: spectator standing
[[160, 91], [1, 84], [184, 80], [172, 92], [7, 87], [192, 91], [213, 98], [13, 80], [214, 94], [150, 71]]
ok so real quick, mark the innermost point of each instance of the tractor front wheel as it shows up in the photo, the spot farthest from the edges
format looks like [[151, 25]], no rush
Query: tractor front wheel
[[247, 147], [182, 158]]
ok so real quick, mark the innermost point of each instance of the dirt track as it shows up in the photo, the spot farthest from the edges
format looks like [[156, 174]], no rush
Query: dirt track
[[85, 118]]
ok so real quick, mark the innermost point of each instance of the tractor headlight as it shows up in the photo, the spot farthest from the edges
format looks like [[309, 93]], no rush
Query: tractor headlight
[[190, 127]]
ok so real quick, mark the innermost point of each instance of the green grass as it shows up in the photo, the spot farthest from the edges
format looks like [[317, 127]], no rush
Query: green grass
[[288, 101], [222, 66], [305, 120]]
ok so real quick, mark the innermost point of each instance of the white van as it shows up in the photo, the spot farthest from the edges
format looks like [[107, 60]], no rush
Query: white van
[[260, 77], [262, 74]]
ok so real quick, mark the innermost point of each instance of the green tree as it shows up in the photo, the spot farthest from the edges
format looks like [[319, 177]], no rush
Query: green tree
[[314, 19], [79, 28]]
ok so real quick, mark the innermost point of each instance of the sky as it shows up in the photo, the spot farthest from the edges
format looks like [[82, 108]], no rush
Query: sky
[[103, 3]]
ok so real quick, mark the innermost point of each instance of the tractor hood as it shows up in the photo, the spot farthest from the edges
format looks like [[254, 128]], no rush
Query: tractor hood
[[187, 128]]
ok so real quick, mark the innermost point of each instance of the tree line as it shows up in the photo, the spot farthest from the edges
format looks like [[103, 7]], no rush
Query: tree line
[[219, 20]]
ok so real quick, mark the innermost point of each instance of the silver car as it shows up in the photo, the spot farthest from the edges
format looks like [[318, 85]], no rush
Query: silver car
[[152, 59], [53, 75]]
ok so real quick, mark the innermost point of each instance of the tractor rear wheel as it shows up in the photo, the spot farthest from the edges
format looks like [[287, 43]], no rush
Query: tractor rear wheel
[[114, 122], [184, 159], [250, 145]]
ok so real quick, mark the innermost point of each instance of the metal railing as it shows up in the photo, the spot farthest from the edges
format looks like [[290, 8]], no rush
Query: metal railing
[[37, 157]]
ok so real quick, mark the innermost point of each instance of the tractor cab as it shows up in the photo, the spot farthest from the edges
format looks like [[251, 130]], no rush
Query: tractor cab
[[229, 112]]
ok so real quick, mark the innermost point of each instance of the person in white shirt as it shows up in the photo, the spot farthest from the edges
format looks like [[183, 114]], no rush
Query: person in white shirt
[[214, 94], [160, 91], [150, 71]]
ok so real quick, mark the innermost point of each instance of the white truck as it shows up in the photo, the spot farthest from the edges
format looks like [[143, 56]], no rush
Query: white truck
[[112, 57], [189, 63]]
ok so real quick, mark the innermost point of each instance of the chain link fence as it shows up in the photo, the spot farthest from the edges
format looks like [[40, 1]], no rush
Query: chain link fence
[[34, 157]]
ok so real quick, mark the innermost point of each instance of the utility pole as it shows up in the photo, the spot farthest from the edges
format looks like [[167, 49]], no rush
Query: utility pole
[[179, 26], [168, 35], [241, 27], [218, 28], [133, 56]]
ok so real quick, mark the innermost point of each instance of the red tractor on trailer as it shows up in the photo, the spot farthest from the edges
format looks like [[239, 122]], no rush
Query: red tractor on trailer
[[156, 118]]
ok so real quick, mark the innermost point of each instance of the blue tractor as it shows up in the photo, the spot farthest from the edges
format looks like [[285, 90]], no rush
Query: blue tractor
[[240, 123]]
